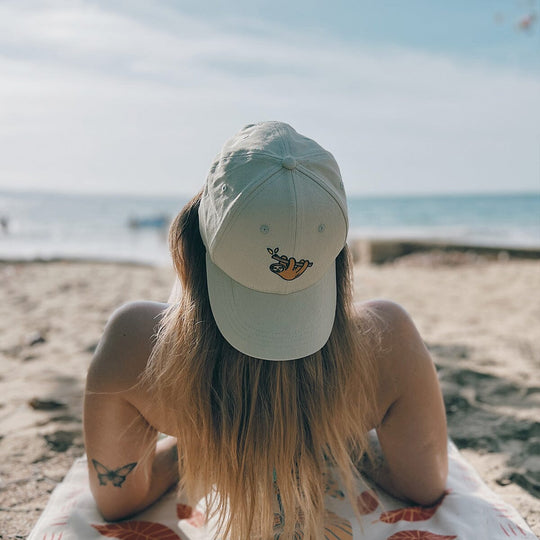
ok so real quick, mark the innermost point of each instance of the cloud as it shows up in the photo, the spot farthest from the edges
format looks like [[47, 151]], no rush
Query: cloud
[[127, 97]]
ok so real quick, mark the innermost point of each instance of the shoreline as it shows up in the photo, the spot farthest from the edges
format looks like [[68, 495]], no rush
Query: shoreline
[[78, 260], [364, 251], [478, 316]]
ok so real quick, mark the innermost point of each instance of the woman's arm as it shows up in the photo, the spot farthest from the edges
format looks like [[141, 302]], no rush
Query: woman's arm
[[411, 451], [128, 468]]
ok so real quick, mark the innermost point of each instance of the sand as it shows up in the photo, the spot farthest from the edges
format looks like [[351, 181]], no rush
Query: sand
[[480, 319]]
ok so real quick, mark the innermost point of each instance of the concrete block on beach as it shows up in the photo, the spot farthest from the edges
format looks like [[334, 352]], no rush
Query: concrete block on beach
[[375, 251]]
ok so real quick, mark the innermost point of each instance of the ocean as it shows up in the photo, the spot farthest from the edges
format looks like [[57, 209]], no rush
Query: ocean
[[47, 225]]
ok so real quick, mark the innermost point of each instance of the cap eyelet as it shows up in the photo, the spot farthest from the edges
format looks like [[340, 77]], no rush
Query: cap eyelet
[[264, 229], [224, 187], [321, 228]]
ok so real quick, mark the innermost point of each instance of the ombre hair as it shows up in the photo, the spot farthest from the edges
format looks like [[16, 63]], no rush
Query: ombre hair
[[255, 437]]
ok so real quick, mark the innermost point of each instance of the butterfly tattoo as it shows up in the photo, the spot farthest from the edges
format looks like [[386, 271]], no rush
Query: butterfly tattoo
[[117, 477]]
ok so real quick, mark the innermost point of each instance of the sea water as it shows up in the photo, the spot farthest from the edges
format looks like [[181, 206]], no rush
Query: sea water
[[47, 225]]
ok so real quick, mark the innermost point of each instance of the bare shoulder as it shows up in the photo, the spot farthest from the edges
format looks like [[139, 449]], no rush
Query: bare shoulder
[[125, 346], [388, 317], [399, 349], [391, 324]]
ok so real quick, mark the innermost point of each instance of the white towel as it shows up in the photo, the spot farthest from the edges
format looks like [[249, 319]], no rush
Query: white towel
[[469, 511]]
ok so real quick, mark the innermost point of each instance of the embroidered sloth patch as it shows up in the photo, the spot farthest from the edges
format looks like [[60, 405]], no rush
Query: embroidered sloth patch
[[287, 268]]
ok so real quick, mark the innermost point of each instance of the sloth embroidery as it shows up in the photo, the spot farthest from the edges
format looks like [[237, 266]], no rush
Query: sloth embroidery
[[287, 268]]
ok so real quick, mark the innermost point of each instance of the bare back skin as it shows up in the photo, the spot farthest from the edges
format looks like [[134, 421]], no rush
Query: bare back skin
[[121, 420]]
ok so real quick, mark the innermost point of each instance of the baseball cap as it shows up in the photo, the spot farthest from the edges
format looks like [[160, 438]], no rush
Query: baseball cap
[[273, 218]]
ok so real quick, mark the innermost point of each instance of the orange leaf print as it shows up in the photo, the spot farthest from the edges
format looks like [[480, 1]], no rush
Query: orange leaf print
[[419, 535], [366, 502], [193, 517], [512, 530], [412, 513], [336, 527], [183, 511], [197, 519], [136, 530]]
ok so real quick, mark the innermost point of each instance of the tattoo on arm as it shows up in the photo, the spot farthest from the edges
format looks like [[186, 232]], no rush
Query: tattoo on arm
[[115, 477]]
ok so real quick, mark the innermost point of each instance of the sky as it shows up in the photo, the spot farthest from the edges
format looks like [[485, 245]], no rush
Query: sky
[[137, 97]]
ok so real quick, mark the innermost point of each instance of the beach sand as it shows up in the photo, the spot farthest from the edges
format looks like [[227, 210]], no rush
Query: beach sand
[[479, 318]]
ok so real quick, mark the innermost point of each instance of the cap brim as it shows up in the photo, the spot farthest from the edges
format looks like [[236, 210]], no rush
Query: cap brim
[[273, 326]]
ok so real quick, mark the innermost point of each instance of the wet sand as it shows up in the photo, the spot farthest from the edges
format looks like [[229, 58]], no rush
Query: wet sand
[[480, 319]]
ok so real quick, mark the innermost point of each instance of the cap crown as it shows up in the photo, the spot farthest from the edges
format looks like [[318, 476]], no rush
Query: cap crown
[[273, 214]]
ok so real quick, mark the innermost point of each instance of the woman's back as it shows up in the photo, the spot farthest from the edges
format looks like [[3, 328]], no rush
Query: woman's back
[[409, 413], [263, 371]]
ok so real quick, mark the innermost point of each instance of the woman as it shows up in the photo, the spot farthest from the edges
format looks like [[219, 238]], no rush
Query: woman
[[263, 373]]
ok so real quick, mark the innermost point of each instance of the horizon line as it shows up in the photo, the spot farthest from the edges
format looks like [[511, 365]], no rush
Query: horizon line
[[350, 195]]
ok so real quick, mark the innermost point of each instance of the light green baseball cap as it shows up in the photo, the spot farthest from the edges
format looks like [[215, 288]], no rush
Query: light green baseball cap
[[273, 218]]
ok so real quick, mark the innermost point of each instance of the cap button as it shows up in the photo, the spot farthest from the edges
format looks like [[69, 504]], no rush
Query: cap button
[[289, 163]]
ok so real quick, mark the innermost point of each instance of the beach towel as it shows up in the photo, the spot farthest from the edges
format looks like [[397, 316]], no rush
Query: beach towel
[[469, 510]]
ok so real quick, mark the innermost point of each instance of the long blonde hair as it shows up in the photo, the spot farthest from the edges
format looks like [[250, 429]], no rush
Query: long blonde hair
[[255, 436]]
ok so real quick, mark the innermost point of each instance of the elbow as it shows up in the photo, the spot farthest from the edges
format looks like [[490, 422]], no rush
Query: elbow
[[433, 492], [115, 513], [118, 507], [428, 487], [430, 498]]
